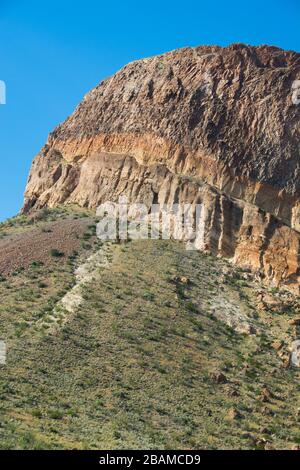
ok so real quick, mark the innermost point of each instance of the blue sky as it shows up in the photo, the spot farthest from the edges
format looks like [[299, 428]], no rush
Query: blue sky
[[53, 52]]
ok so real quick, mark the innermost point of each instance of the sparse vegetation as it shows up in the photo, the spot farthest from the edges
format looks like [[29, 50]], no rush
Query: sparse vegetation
[[144, 363], [56, 253]]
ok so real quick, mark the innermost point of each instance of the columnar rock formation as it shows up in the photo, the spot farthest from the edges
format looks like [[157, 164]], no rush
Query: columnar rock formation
[[209, 125]]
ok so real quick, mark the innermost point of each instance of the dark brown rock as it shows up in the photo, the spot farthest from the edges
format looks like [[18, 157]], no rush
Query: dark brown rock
[[266, 395], [219, 378]]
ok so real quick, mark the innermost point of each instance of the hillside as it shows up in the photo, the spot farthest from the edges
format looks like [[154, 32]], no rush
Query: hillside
[[138, 345], [206, 125], [144, 344]]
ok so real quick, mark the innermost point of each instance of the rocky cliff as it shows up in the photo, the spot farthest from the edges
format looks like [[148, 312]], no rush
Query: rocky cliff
[[210, 125]]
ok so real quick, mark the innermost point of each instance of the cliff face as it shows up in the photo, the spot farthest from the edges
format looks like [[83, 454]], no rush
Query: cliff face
[[209, 125]]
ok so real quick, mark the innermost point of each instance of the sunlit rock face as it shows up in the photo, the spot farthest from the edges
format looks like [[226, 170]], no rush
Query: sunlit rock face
[[206, 125]]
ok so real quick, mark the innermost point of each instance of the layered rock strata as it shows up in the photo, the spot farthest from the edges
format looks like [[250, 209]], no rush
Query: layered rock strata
[[206, 125]]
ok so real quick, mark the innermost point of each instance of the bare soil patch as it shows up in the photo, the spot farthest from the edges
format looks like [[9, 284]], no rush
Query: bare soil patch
[[35, 244]]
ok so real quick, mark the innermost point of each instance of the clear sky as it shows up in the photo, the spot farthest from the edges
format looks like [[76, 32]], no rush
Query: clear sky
[[53, 52]]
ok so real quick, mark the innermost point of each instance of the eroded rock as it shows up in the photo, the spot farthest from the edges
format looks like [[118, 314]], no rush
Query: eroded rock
[[295, 353], [205, 125]]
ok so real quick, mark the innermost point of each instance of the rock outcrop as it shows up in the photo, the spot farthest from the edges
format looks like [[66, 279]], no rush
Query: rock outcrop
[[210, 125]]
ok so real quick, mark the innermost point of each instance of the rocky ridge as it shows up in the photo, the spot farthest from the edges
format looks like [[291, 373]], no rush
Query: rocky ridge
[[206, 125]]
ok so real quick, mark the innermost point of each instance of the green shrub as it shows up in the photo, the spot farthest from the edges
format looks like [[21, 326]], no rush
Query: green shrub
[[149, 296], [42, 285], [56, 253], [36, 264], [55, 414], [37, 413], [192, 307]]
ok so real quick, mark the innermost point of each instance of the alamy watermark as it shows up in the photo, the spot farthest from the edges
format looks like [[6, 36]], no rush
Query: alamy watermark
[[2, 92], [296, 92], [123, 221], [2, 353]]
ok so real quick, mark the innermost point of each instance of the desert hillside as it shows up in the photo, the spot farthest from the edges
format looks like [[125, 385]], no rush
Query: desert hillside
[[138, 345], [143, 344]]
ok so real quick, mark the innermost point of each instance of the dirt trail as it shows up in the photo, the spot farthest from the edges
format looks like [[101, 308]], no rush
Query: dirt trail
[[85, 273]]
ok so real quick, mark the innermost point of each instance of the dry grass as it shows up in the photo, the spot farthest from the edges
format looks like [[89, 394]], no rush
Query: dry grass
[[136, 367]]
